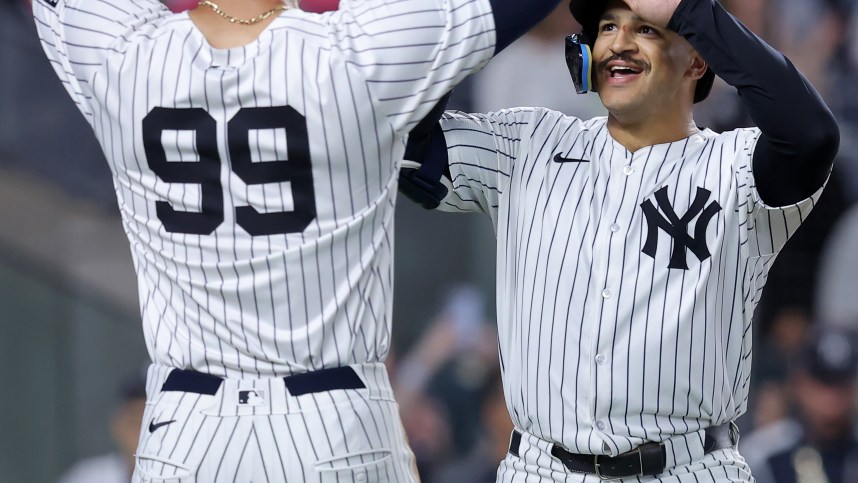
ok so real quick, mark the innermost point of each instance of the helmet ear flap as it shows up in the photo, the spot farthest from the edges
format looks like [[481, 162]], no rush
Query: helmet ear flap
[[579, 60]]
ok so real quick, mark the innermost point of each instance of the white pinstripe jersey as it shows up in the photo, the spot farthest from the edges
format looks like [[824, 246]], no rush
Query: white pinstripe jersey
[[257, 184], [626, 281]]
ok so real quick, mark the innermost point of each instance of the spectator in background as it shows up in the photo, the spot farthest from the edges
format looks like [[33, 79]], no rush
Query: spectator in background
[[116, 467], [442, 381], [820, 444], [532, 72]]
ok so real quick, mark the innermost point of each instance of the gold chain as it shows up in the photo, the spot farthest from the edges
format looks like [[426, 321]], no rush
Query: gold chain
[[241, 21]]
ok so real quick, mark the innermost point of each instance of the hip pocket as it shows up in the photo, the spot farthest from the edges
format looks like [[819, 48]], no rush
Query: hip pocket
[[153, 468], [167, 449], [369, 466]]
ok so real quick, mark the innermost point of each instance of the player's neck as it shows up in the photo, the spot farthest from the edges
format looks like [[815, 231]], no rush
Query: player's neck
[[637, 133], [222, 34]]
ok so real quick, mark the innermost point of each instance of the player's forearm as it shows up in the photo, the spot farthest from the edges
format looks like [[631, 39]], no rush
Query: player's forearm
[[513, 18], [799, 134]]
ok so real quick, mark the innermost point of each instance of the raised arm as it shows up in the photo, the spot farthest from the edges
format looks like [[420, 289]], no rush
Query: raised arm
[[412, 52], [514, 18], [799, 135], [423, 179], [77, 35]]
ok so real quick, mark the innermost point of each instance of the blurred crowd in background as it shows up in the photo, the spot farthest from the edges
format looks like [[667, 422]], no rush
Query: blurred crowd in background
[[802, 416]]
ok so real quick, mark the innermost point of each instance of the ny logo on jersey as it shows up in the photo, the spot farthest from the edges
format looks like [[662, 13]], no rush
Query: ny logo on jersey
[[677, 227]]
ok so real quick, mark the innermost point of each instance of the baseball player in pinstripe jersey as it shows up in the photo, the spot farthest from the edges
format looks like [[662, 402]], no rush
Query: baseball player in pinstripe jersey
[[255, 150], [632, 249]]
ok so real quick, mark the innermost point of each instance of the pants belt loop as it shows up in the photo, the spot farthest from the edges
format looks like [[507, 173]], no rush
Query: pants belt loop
[[323, 380]]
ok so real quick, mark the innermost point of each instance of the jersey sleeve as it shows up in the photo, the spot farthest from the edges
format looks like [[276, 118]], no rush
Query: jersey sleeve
[[78, 35], [412, 52], [482, 151], [768, 227]]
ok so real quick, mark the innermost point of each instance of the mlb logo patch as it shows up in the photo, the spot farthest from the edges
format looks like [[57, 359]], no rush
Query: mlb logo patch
[[52, 3], [251, 398]]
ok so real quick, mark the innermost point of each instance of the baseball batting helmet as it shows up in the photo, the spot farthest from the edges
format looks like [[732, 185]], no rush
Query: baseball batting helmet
[[578, 48]]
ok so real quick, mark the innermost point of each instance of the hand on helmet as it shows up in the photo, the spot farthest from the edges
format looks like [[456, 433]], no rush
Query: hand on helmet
[[658, 12]]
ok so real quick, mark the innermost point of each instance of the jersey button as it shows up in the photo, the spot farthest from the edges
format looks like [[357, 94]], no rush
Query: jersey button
[[615, 227], [628, 170], [600, 425], [601, 359], [607, 293]]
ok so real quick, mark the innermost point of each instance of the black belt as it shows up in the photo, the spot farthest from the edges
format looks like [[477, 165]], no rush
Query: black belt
[[648, 459], [297, 385]]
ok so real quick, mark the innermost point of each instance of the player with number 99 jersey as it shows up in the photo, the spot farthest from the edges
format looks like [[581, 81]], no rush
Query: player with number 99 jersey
[[257, 187], [257, 184]]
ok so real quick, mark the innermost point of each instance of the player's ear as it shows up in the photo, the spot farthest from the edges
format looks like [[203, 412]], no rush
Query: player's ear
[[697, 67]]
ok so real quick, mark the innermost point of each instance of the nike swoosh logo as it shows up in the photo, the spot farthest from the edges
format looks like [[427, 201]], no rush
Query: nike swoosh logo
[[153, 427], [560, 159]]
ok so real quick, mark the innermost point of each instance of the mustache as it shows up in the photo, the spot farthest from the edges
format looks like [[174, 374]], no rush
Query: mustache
[[643, 66]]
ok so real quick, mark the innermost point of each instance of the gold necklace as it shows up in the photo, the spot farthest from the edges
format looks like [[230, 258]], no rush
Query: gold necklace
[[241, 21]]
